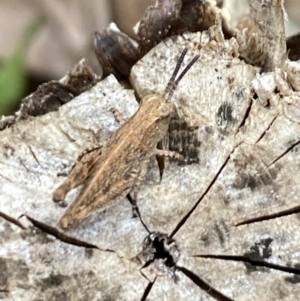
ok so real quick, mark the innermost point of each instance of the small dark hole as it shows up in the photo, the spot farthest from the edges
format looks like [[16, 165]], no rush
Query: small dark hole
[[162, 253]]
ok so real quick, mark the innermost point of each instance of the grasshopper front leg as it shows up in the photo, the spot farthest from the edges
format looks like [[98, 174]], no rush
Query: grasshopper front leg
[[118, 116], [79, 172], [143, 170], [142, 175]]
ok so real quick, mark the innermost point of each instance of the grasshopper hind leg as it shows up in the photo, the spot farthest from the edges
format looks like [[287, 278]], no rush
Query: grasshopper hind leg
[[140, 178], [78, 173], [134, 191]]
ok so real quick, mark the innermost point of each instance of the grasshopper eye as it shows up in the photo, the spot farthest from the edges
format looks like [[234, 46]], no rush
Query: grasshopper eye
[[165, 111]]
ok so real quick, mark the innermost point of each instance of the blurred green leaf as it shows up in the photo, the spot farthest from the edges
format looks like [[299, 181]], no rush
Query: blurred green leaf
[[13, 79]]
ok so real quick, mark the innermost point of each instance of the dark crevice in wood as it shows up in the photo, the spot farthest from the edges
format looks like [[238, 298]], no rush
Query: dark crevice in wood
[[66, 134], [247, 113], [158, 246], [61, 236], [160, 250], [185, 218], [145, 265], [267, 217], [283, 154], [12, 220], [33, 155], [133, 204], [147, 290], [203, 285], [256, 263], [136, 211], [7, 179], [247, 60], [25, 167], [267, 129]]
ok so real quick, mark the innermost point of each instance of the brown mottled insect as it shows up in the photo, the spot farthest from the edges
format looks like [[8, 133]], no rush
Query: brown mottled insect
[[119, 167]]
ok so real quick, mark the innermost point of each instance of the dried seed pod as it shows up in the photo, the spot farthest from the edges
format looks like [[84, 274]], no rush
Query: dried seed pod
[[157, 23], [293, 47], [47, 98], [81, 77], [116, 52], [196, 16], [174, 17], [51, 95]]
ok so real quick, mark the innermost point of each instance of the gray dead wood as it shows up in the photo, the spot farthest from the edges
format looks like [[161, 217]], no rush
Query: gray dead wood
[[247, 126], [270, 41]]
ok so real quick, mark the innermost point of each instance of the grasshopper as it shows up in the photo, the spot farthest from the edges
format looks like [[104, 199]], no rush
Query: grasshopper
[[118, 168]]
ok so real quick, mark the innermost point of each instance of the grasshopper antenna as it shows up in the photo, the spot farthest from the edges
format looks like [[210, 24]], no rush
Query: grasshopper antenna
[[172, 79], [172, 84]]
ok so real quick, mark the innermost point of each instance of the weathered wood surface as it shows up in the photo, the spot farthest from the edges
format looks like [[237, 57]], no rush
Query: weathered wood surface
[[244, 127]]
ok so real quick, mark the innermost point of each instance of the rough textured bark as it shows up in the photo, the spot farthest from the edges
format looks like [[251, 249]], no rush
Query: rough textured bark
[[240, 130], [270, 42]]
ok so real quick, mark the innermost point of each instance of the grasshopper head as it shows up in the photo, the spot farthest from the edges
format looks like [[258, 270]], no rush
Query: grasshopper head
[[159, 107], [156, 111], [156, 106]]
